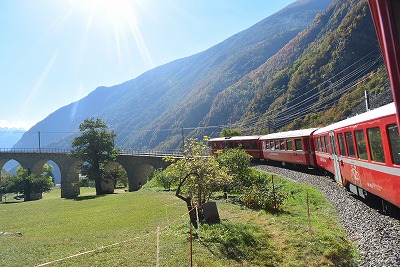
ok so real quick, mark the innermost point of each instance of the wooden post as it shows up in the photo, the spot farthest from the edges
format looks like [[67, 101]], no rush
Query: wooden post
[[198, 222], [191, 245], [158, 248], [308, 213], [273, 191]]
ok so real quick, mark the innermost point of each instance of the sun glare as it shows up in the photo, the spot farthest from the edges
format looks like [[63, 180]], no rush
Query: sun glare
[[120, 13], [119, 16]]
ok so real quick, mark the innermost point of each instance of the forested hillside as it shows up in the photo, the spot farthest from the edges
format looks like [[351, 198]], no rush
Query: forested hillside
[[282, 72]]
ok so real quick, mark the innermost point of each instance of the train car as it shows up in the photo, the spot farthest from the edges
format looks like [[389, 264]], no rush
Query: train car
[[363, 152], [295, 147], [251, 144]]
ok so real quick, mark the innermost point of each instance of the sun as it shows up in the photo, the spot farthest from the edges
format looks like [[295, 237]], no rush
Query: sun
[[116, 16], [117, 13]]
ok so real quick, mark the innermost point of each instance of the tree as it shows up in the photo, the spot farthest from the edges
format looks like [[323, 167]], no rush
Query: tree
[[28, 184], [237, 162], [96, 148], [168, 177], [230, 132], [199, 176], [48, 170], [119, 177]]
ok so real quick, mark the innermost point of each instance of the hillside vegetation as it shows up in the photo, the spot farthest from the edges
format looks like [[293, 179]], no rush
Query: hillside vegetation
[[306, 65]]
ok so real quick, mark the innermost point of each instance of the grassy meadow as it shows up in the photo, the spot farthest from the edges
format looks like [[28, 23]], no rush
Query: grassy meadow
[[120, 230]]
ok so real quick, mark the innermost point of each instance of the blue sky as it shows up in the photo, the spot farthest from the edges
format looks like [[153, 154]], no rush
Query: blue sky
[[54, 52]]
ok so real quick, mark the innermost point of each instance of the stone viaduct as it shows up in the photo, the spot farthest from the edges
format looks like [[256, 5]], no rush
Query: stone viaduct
[[137, 166]]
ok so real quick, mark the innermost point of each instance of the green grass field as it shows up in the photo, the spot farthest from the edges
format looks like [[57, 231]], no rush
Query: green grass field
[[120, 230]]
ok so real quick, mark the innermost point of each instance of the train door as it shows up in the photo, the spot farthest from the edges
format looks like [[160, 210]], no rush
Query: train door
[[336, 164]]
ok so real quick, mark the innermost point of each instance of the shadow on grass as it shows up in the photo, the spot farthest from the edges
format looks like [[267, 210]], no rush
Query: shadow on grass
[[11, 202], [239, 242], [12, 199], [81, 198]]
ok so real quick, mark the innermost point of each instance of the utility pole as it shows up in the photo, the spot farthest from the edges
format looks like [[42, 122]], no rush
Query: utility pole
[[39, 139], [366, 97]]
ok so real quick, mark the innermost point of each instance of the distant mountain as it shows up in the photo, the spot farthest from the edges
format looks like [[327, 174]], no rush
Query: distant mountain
[[149, 111], [10, 136], [321, 75], [317, 78], [306, 65]]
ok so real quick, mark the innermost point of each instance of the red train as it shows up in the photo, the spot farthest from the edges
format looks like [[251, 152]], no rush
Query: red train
[[362, 152]]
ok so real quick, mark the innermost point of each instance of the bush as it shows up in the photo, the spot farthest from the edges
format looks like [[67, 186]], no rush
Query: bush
[[264, 194], [163, 179]]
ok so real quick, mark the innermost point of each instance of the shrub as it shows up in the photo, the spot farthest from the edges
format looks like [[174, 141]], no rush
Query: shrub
[[264, 194]]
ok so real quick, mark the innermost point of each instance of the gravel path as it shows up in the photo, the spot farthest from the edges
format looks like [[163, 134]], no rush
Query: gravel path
[[377, 236]]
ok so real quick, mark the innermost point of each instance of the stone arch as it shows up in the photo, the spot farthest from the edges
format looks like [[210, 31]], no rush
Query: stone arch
[[111, 185], [37, 167], [142, 173], [3, 162], [138, 168]]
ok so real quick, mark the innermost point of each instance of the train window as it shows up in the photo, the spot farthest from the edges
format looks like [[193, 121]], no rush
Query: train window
[[289, 144], [350, 144], [394, 140], [360, 144], [246, 145], [231, 145], [272, 145], [254, 145], [266, 144], [322, 144], [283, 144], [298, 144], [375, 143], [327, 147], [319, 144], [277, 144], [342, 148]]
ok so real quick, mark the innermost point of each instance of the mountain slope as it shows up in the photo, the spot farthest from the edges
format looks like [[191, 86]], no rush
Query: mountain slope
[[317, 78], [179, 93]]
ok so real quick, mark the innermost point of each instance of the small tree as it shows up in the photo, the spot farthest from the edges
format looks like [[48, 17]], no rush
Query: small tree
[[237, 162], [199, 176], [48, 170], [264, 194], [168, 177], [28, 184], [119, 177], [95, 146]]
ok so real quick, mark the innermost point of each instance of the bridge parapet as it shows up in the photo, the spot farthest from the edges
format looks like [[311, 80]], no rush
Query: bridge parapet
[[35, 150], [132, 152]]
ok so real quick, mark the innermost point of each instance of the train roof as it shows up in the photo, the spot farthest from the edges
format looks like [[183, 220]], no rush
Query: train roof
[[294, 133], [235, 138], [383, 111]]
